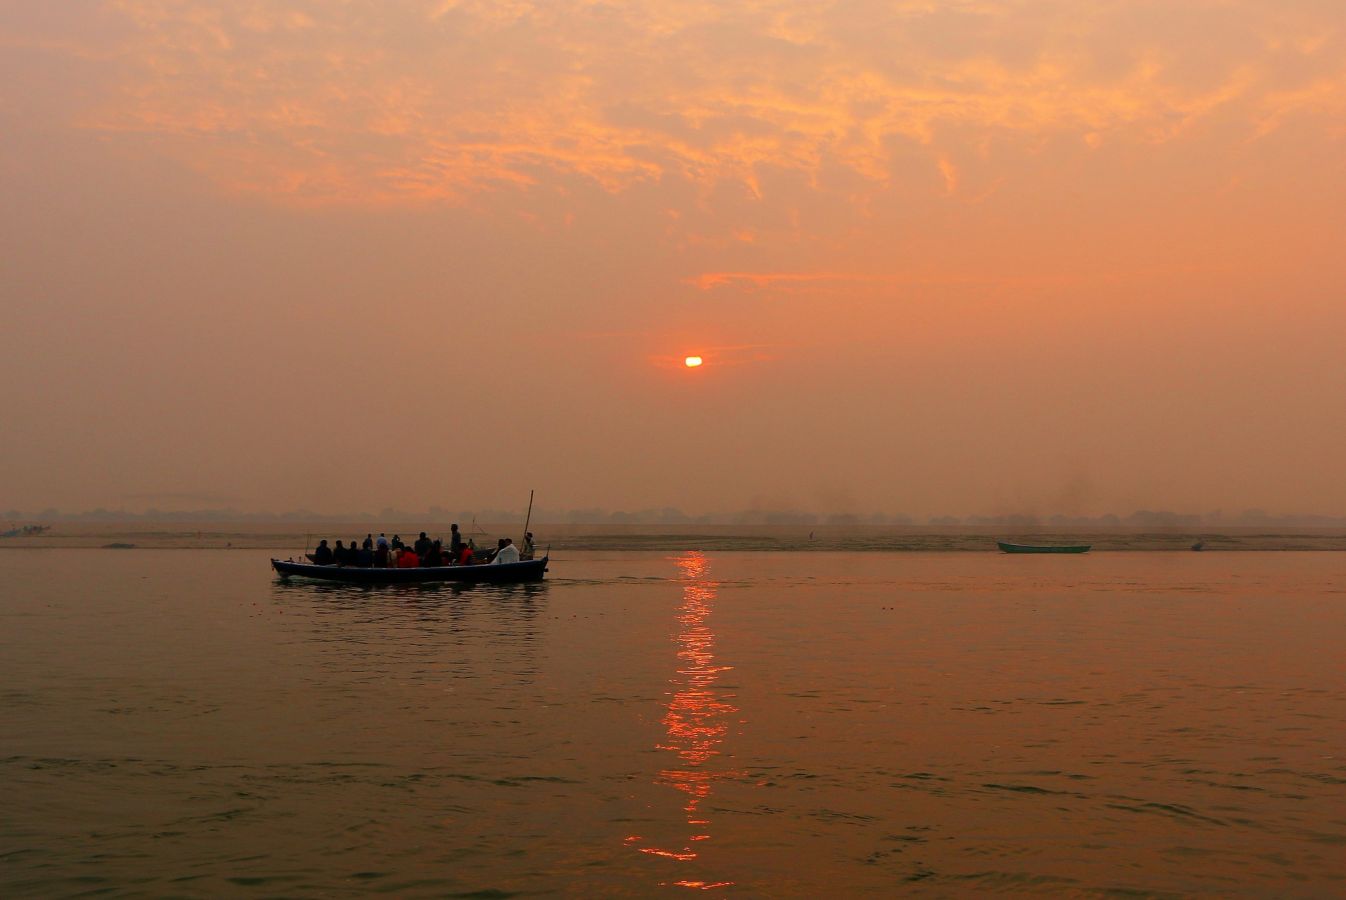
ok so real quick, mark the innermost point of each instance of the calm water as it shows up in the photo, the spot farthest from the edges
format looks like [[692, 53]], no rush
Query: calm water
[[178, 723]]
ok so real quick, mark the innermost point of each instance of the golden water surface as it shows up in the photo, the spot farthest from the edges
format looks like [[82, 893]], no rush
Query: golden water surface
[[179, 723]]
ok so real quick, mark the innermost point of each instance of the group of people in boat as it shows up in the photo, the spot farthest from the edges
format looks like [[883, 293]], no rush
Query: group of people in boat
[[392, 553]]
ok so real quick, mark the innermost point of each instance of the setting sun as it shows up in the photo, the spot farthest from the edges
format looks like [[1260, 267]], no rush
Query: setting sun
[[692, 362]]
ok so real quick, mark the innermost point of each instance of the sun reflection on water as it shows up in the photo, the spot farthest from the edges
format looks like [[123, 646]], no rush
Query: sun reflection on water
[[697, 719]]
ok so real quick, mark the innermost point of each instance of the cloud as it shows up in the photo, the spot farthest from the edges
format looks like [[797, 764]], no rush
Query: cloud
[[403, 101], [760, 280], [722, 355]]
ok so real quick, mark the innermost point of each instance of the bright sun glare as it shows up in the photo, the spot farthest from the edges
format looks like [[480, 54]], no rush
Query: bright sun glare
[[692, 362]]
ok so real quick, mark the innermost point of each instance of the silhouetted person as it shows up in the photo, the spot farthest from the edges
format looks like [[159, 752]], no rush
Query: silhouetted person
[[528, 549], [339, 554], [434, 556], [397, 542], [365, 560], [383, 557], [422, 545], [323, 555], [455, 539], [368, 543]]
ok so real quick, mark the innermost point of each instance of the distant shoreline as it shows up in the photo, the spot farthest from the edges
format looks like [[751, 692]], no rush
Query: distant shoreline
[[292, 538]]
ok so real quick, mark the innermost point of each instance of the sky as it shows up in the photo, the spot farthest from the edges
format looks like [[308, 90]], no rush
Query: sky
[[960, 257]]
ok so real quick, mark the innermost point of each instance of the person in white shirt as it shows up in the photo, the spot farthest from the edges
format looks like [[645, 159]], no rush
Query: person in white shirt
[[506, 554]]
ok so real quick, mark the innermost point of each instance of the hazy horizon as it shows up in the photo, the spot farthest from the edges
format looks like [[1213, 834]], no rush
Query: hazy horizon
[[988, 255], [673, 517]]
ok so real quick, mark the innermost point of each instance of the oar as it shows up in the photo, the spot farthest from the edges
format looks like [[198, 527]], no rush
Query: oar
[[528, 518]]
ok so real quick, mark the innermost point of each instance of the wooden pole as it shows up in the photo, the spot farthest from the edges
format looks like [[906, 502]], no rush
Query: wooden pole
[[528, 518]]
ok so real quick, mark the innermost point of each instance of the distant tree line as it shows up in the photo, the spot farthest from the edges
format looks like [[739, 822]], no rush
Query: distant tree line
[[1144, 518]]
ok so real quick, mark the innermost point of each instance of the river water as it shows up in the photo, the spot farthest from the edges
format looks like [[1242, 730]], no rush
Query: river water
[[180, 723]]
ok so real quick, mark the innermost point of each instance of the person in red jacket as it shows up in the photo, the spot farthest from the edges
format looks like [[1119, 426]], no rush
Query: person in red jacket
[[408, 559]]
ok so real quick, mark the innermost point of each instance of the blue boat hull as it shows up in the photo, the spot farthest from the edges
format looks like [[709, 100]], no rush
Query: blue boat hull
[[506, 573]]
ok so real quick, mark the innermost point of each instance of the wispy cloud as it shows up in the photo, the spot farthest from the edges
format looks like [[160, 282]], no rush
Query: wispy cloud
[[412, 100], [722, 355], [759, 280]]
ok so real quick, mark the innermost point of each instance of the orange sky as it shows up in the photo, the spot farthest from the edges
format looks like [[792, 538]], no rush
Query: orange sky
[[940, 257]]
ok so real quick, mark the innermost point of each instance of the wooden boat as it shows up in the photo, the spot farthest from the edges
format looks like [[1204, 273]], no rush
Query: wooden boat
[[1007, 547], [505, 573]]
